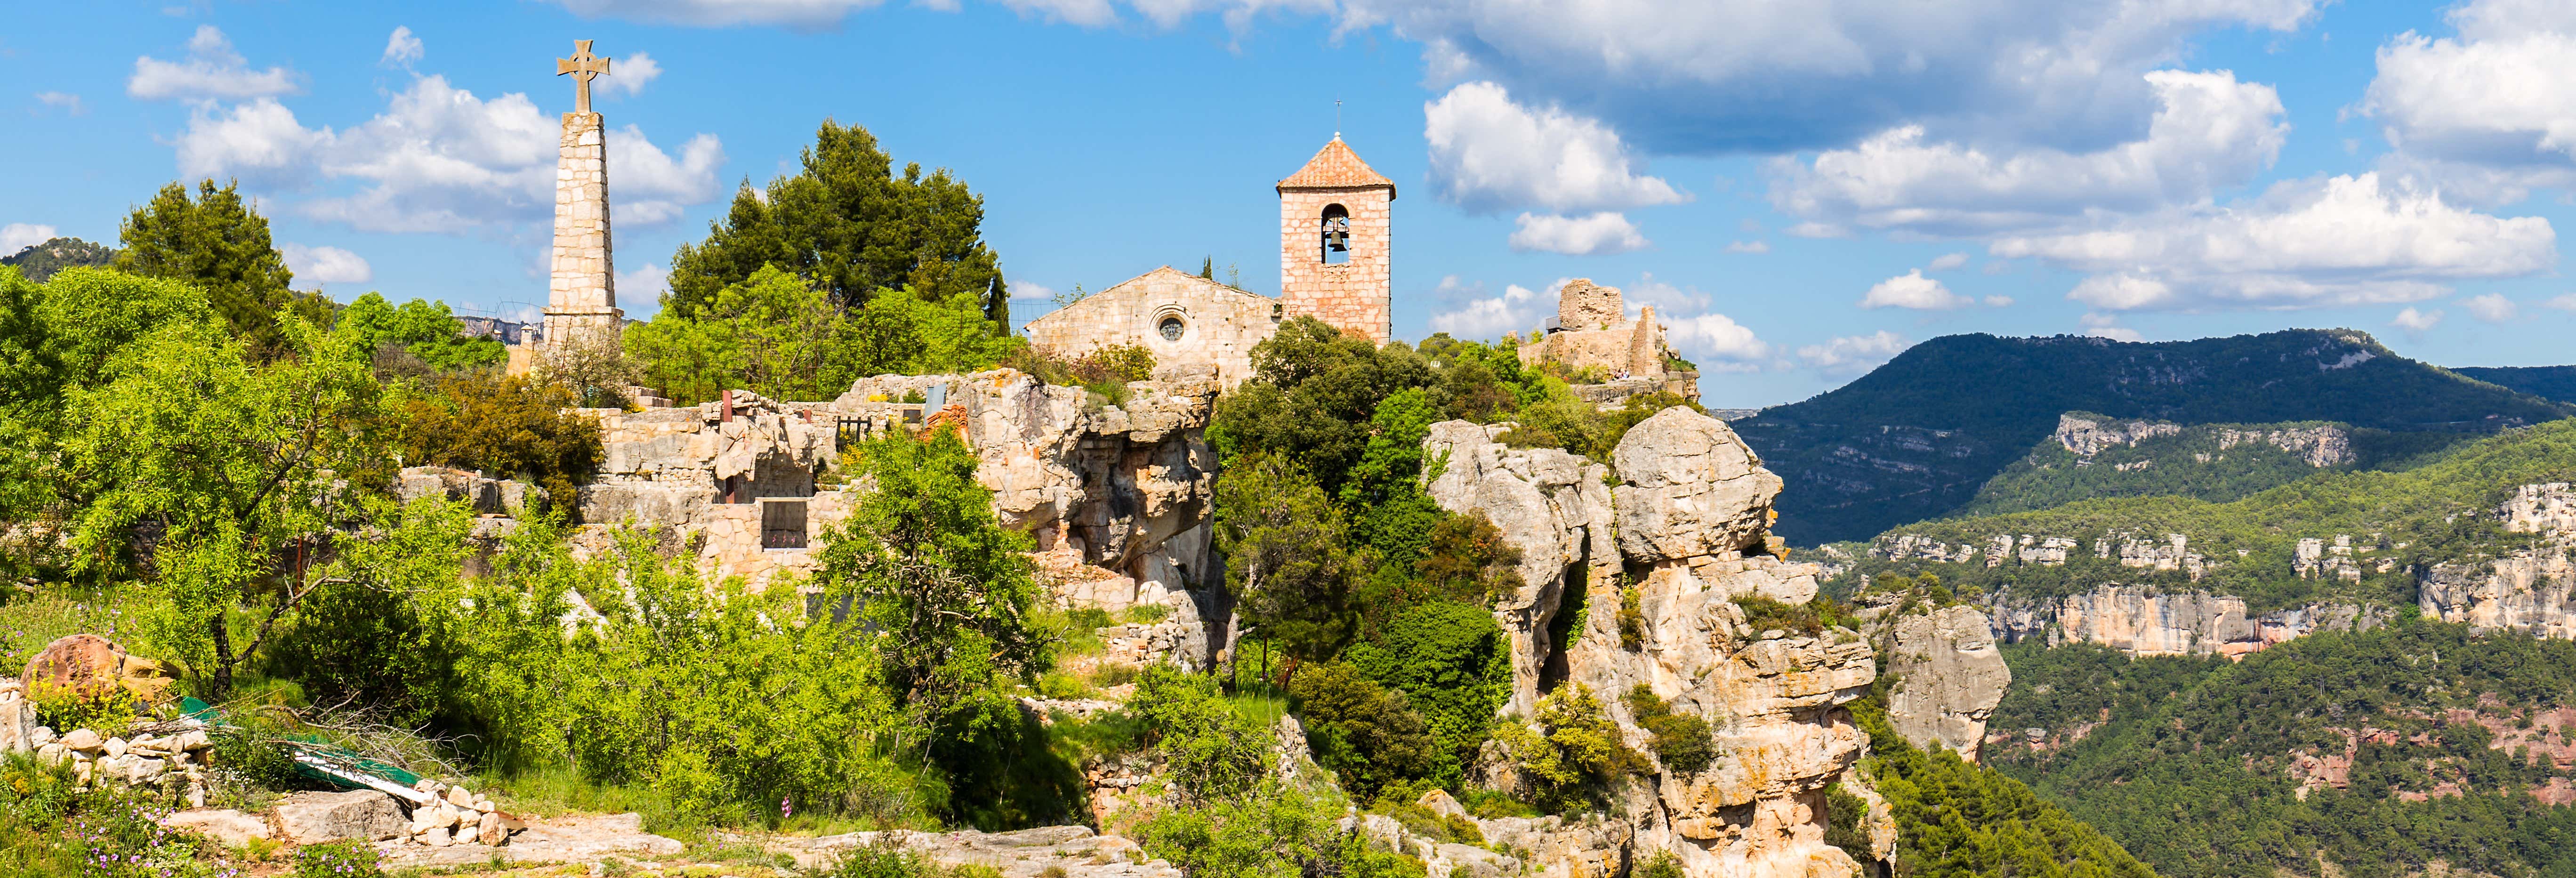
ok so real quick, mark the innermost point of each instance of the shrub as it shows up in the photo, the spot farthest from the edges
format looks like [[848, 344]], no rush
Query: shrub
[[1115, 363], [1570, 751], [1682, 740], [105, 709], [509, 425], [1270, 831], [1368, 735], [1810, 618], [1453, 664], [1212, 751], [1632, 619]]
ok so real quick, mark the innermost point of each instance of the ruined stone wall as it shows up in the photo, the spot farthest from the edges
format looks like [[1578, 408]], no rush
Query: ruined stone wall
[[1219, 324], [1352, 296]]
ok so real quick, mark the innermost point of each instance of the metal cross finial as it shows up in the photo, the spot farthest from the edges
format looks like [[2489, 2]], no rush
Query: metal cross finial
[[1337, 118], [583, 66]]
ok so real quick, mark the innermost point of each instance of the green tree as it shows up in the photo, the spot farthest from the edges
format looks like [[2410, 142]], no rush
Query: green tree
[[1454, 665], [1369, 735], [923, 561], [779, 336], [423, 329], [1287, 556], [845, 222], [218, 243], [232, 462], [510, 426], [1314, 398]]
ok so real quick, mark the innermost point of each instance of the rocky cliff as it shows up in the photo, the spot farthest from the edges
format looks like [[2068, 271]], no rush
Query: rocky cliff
[[2146, 621], [1691, 516], [1948, 676], [2531, 588]]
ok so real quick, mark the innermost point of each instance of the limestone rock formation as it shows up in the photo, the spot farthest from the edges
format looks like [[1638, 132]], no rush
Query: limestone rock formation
[[2530, 589], [1549, 504], [1948, 677], [320, 818], [2145, 621], [1691, 518]]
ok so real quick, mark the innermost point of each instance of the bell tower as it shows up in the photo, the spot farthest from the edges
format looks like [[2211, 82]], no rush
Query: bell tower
[[1334, 243]]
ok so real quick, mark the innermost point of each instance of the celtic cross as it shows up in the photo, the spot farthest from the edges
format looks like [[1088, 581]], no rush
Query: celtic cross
[[583, 66]]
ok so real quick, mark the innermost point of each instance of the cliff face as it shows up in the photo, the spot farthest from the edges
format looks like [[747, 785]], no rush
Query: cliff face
[[2532, 589], [2145, 621], [1691, 514], [1949, 677]]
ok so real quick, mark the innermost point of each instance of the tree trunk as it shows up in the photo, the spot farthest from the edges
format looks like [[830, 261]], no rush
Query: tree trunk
[[222, 684]]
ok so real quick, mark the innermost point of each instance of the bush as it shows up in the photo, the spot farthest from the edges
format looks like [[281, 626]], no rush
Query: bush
[[1572, 750], [105, 709], [1682, 740], [1810, 618], [1632, 619], [507, 425], [1453, 664], [1269, 832], [1369, 736], [1212, 751]]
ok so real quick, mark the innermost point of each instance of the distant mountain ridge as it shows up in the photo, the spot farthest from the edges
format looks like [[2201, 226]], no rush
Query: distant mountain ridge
[[2551, 382], [2093, 456], [39, 262], [1917, 438]]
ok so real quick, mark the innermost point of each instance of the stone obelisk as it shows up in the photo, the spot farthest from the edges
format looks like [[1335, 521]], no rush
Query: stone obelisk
[[581, 297]]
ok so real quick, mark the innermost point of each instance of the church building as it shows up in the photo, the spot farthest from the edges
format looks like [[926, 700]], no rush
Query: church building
[[1334, 264]]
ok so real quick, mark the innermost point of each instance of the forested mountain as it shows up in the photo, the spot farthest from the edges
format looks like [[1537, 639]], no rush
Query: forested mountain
[[40, 261], [1916, 438], [2379, 753], [2092, 456], [2402, 522], [2554, 382]]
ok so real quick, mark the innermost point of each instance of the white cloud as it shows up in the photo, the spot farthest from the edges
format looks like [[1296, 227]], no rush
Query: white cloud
[[2490, 113], [2305, 243], [1819, 230], [1473, 315], [20, 236], [2492, 308], [1913, 290], [2562, 302], [2416, 322], [439, 159], [643, 283], [1999, 301], [1595, 235], [1490, 154], [213, 70], [1716, 335], [1030, 291], [2210, 131], [1755, 247], [402, 49], [2100, 325], [1853, 354], [1947, 261], [627, 74], [66, 101], [326, 265]]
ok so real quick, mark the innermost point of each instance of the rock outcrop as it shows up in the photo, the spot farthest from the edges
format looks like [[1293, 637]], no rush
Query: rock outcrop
[[2144, 621], [321, 818], [2531, 588], [1948, 677], [1548, 503], [1690, 517]]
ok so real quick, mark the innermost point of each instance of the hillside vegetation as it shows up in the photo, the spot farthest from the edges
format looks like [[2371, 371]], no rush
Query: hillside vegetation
[[39, 262], [2381, 753], [2553, 382], [2442, 511], [1918, 437], [2214, 462]]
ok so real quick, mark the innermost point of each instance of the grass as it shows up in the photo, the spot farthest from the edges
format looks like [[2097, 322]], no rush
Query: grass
[[29, 622]]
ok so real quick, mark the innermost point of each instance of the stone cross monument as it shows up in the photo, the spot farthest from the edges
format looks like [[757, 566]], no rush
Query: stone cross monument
[[581, 297]]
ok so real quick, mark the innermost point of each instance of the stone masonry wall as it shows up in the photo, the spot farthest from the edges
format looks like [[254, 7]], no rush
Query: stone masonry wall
[[581, 294], [1351, 296], [1220, 324]]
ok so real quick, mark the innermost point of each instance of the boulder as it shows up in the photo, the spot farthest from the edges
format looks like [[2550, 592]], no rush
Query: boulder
[[320, 818], [226, 825], [1692, 489], [18, 726], [90, 663], [85, 741]]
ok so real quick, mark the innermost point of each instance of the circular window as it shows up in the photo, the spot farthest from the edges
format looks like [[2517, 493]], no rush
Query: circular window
[[1172, 327]]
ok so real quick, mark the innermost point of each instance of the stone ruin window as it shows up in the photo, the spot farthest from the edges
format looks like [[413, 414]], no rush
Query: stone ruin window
[[1172, 328], [782, 524], [1337, 235], [729, 490]]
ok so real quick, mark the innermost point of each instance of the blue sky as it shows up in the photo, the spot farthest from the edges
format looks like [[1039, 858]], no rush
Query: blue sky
[[1800, 189]]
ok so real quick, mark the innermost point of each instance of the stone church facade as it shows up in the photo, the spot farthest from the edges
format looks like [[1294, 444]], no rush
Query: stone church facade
[[1335, 264]]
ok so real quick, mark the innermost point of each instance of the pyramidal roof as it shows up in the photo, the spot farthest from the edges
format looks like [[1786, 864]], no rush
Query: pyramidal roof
[[1336, 167]]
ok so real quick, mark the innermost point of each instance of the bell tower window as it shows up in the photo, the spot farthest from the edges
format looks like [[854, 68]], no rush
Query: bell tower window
[[1336, 245]]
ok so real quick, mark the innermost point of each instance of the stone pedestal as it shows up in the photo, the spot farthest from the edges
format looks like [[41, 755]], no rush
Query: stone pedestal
[[581, 297]]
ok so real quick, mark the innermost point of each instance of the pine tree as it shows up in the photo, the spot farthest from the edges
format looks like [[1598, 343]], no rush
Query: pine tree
[[852, 227], [219, 244]]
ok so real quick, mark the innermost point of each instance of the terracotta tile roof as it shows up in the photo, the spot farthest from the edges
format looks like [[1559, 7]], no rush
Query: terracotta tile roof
[[1336, 167]]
